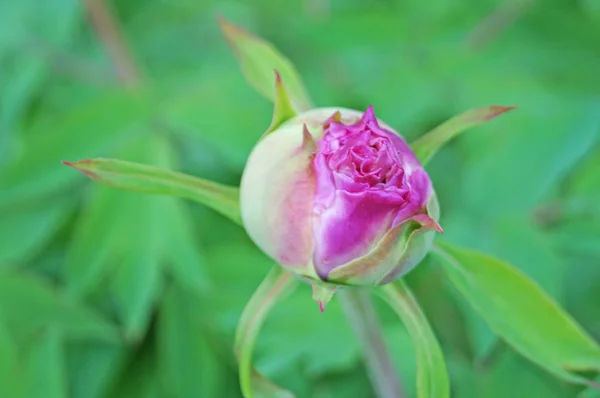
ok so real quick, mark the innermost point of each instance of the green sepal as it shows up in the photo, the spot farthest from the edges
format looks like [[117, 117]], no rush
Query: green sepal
[[283, 109], [322, 292], [428, 145], [148, 179], [258, 58]]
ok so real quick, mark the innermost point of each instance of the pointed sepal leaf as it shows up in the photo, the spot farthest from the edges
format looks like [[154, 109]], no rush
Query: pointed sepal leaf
[[148, 179], [258, 58], [520, 312], [283, 109], [277, 285], [322, 293], [428, 145], [432, 376]]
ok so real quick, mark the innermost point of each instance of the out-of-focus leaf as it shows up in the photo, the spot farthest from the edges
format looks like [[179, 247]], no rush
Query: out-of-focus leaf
[[129, 238], [27, 26], [263, 388], [542, 152], [120, 241], [186, 262], [140, 378], [88, 130], [427, 146], [92, 368], [258, 59], [590, 392], [9, 386], [147, 179], [24, 230], [317, 336], [432, 377], [136, 281], [526, 246], [275, 286], [189, 366], [44, 370], [134, 269], [28, 304], [521, 313], [511, 375], [320, 346]]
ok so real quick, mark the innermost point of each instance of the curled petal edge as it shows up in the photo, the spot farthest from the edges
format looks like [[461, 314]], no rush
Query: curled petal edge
[[396, 254]]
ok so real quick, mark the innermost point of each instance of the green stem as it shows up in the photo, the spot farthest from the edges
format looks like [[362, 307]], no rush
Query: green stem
[[432, 378], [274, 287], [359, 310]]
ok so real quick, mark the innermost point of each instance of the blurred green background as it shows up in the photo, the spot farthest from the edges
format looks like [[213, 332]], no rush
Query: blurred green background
[[106, 293]]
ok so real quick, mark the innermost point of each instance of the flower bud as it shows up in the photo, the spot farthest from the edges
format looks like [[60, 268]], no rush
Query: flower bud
[[338, 196]]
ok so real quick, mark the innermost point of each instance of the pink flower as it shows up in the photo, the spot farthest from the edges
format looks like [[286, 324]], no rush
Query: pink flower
[[339, 196]]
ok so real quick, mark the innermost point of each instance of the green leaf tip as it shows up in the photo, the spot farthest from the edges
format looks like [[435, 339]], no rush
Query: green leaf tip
[[82, 165], [428, 145], [149, 179], [283, 109], [258, 58]]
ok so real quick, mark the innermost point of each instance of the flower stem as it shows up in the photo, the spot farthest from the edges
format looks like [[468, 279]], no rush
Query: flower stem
[[273, 288], [360, 313], [432, 376]]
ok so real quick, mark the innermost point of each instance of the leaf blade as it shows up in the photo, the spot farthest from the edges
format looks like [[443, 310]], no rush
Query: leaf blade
[[148, 179], [432, 376], [521, 312], [428, 145], [29, 304], [258, 58]]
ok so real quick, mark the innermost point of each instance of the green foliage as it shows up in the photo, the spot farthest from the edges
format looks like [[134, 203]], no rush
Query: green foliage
[[432, 377], [428, 145], [106, 293], [258, 58], [521, 313]]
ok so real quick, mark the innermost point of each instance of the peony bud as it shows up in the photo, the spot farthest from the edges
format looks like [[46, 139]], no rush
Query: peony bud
[[338, 196]]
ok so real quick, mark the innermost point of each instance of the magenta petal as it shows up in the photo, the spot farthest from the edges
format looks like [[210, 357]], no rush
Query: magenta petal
[[367, 181], [350, 227]]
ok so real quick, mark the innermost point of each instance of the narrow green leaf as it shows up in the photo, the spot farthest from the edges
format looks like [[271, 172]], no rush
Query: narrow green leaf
[[519, 311], [148, 179], [44, 369], [92, 367], [283, 109], [26, 228], [9, 385], [258, 58], [432, 377], [28, 304], [277, 284], [131, 273], [140, 378], [427, 146], [186, 261], [106, 120], [189, 366]]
